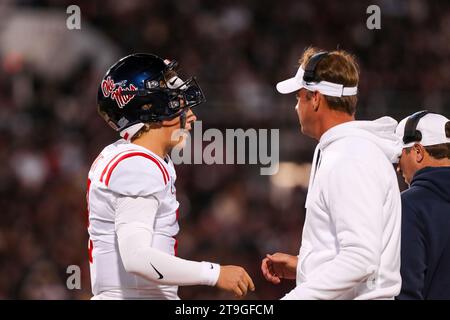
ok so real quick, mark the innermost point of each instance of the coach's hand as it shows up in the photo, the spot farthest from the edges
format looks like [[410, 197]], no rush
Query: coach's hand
[[235, 279], [279, 266]]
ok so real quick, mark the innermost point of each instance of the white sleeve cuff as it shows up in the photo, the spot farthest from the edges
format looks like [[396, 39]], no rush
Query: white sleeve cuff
[[210, 273]]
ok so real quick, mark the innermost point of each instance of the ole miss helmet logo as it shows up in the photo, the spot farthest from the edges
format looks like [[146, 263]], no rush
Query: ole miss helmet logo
[[114, 90]]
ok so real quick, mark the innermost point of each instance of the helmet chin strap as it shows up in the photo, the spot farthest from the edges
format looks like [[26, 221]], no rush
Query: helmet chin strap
[[183, 119]]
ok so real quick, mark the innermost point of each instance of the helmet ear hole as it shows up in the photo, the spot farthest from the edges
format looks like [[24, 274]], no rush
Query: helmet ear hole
[[447, 129]]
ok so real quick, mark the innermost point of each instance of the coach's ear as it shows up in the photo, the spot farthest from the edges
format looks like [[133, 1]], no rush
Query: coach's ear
[[419, 152], [316, 97], [447, 129]]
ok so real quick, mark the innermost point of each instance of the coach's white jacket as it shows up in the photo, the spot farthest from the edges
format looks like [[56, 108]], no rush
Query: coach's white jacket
[[351, 238]]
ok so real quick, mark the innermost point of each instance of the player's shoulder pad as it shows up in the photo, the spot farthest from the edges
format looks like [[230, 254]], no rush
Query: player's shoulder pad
[[136, 174]]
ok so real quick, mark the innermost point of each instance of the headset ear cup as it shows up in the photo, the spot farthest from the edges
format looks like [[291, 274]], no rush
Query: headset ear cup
[[447, 129], [310, 68], [418, 135], [411, 133]]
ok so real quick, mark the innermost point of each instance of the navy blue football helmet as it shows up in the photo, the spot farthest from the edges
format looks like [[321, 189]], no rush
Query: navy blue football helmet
[[142, 88]]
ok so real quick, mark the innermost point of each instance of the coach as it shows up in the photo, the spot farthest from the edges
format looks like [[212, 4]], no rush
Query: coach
[[425, 165], [351, 237]]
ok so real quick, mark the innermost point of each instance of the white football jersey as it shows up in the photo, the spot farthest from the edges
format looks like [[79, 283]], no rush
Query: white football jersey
[[124, 168]]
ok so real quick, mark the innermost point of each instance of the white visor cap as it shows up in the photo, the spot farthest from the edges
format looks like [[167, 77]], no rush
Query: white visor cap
[[324, 87]]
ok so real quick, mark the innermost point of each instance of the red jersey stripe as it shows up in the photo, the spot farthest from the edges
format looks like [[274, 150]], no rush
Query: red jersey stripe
[[175, 247], [90, 248], [164, 168], [114, 158], [136, 154], [88, 189]]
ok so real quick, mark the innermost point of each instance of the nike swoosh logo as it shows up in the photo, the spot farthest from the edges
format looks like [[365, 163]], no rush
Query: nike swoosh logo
[[159, 273]]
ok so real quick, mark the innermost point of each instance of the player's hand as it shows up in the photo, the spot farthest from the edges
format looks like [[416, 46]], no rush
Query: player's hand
[[236, 280], [279, 266]]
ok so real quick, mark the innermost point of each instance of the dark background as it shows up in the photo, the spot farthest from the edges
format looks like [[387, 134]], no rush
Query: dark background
[[50, 131]]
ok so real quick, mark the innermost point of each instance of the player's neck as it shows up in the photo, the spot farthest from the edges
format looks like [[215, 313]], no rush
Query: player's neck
[[152, 143]]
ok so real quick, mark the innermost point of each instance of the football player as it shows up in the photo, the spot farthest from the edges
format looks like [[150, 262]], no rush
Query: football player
[[132, 205]]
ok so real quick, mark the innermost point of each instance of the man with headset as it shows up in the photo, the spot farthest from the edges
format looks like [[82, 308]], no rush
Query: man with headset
[[350, 245], [425, 166]]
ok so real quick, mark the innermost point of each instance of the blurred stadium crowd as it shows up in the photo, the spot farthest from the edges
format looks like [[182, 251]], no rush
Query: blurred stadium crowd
[[50, 131]]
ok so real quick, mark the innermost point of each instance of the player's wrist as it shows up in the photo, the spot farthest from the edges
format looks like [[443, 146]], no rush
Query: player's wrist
[[210, 273]]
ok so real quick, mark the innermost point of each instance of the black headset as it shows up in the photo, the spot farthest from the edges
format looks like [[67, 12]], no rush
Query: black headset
[[310, 69], [411, 134]]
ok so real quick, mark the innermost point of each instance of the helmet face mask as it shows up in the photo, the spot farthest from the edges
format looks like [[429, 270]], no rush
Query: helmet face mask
[[145, 88]]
